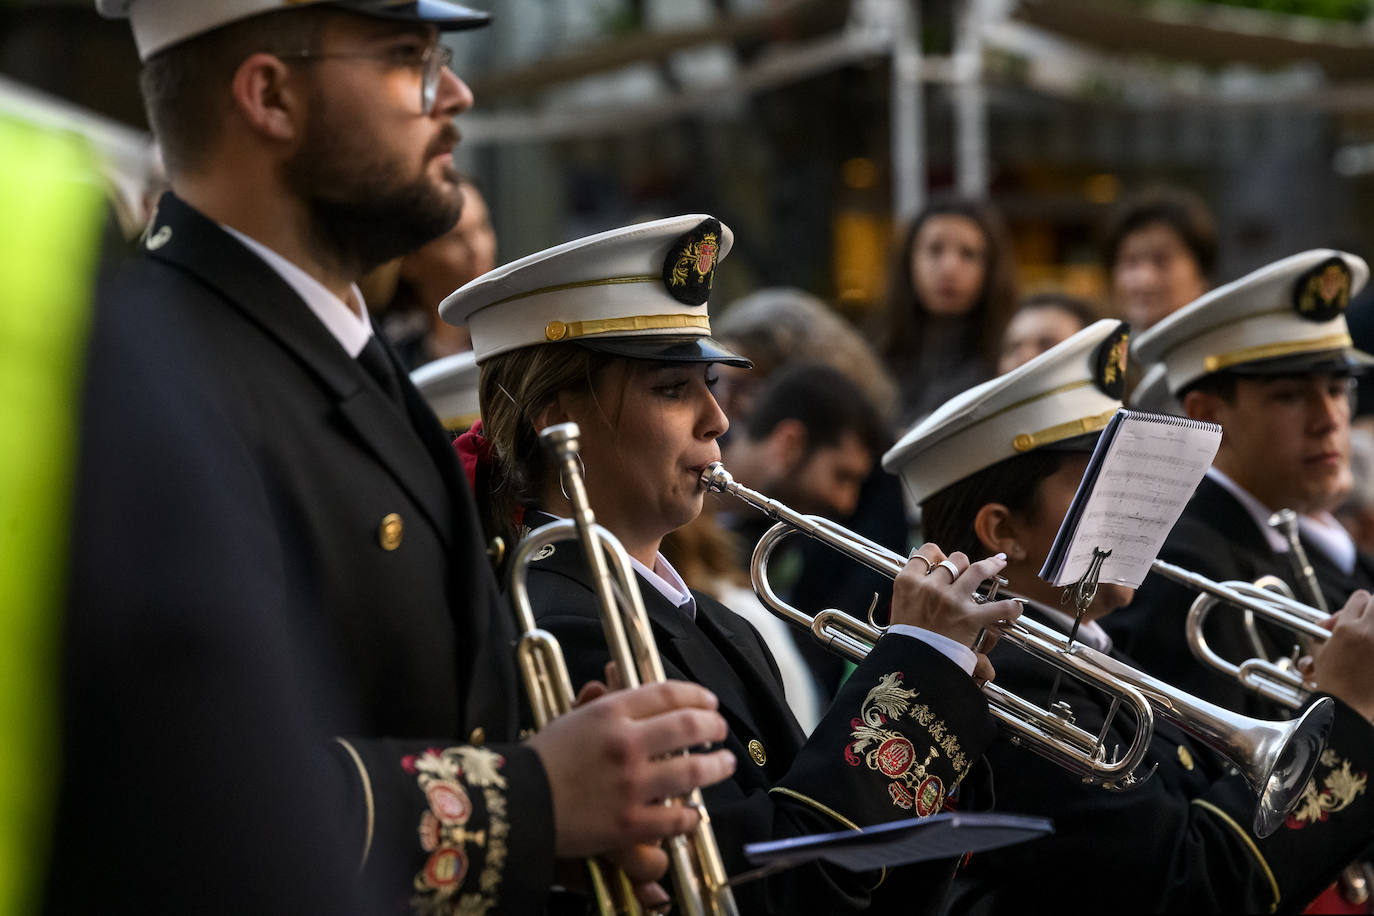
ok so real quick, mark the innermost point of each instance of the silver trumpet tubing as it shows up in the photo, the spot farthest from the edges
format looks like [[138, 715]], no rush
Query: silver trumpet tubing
[[702, 888], [1285, 521], [1276, 757], [1268, 599]]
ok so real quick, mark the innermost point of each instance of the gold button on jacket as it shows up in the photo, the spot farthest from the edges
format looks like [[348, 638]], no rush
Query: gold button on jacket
[[756, 751], [389, 531]]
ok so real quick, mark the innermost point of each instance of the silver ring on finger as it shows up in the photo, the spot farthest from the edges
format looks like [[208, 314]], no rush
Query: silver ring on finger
[[916, 555], [946, 564]]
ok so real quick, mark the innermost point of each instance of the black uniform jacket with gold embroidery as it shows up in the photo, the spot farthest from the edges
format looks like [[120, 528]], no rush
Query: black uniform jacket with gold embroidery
[[903, 730], [1179, 842], [235, 607], [1218, 538]]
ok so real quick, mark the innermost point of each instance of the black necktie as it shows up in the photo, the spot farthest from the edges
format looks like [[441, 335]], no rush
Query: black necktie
[[373, 358]]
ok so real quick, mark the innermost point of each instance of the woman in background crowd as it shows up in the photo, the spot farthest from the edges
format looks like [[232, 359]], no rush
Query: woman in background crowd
[[952, 290]]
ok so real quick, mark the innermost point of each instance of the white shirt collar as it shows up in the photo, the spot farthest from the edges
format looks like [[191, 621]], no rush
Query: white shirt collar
[[1330, 537], [668, 583], [1326, 535], [351, 329], [1253, 507]]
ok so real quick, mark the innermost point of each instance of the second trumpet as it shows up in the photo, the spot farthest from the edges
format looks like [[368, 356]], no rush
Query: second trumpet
[[1276, 757]]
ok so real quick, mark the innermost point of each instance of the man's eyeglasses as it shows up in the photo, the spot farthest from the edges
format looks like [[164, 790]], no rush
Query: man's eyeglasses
[[430, 62]]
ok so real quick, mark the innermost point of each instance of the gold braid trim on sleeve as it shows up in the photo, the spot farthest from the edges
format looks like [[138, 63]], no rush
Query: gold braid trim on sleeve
[[828, 812], [367, 800], [1250, 842]]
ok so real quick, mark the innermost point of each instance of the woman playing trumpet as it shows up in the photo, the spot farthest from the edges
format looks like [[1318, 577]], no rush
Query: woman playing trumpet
[[994, 470], [611, 332]]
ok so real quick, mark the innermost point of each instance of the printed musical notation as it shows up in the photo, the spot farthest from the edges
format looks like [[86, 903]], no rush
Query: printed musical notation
[[1141, 475]]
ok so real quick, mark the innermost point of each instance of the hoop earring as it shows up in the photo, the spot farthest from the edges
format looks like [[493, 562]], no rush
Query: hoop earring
[[562, 484]]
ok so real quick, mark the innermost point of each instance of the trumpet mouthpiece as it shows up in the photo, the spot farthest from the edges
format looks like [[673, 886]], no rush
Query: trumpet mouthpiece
[[562, 436], [715, 478]]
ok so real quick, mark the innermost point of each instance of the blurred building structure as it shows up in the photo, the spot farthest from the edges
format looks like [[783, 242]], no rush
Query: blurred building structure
[[813, 126]]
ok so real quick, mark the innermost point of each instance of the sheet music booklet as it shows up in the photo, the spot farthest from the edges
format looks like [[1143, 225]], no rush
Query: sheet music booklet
[[1141, 475]]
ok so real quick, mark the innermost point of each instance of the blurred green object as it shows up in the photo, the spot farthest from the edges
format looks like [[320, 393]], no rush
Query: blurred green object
[[51, 215], [1345, 10]]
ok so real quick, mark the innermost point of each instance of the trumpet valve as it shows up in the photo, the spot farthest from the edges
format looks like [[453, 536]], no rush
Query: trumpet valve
[[987, 589]]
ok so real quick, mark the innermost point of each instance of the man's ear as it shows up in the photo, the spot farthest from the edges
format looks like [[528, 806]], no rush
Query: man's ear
[[786, 444], [266, 98], [997, 531], [1199, 405]]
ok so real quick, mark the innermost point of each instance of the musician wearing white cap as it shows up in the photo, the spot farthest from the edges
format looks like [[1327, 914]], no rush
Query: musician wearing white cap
[[1269, 357], [613, 332], [994, 470], [290, 677]]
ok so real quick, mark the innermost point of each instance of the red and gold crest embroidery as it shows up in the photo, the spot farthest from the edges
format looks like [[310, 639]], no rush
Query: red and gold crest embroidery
[[698, 256], [1339, 788], [892, 753], [445, 778]]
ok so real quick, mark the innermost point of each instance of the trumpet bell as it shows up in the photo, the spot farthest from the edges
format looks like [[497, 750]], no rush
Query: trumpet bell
[[1293, 749]]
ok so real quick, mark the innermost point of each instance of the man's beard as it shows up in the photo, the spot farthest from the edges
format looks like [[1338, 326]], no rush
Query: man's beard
[[362, 211]]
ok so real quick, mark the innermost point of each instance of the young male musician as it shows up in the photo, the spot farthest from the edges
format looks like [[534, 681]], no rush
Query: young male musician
[[1269, 357]]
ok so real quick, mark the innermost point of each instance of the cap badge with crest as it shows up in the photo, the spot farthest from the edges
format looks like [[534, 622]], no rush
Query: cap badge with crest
[[1324, 291], [691, 263], [1111, 362]]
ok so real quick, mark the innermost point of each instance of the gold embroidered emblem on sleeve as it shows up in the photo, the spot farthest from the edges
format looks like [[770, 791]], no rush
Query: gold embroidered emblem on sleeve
[[446, 777], [893, 754], [1338, 788]]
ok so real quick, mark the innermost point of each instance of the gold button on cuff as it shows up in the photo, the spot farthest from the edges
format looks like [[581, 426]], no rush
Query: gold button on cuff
[[478, 737], [1185, 758], [389, 531], [756, 752], [555, 330]]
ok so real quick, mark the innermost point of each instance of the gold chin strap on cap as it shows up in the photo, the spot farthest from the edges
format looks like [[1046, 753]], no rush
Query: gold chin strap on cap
[[1221, 361], [1083, 425], [559, 330]]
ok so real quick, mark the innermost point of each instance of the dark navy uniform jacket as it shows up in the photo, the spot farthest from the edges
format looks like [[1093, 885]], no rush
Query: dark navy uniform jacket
[[904, 729], [1179, 842], [284, 642]]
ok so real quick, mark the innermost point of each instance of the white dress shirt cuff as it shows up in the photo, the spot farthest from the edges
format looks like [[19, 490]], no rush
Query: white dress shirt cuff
[[956, 652]]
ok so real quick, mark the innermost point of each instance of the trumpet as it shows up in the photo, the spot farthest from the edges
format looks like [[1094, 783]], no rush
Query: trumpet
[[1276, 757], [1268, 598], [699, 879]]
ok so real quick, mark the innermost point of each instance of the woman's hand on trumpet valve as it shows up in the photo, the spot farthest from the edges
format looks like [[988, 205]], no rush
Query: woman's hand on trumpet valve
[[612, 760], [937, 593], [1341, 665]]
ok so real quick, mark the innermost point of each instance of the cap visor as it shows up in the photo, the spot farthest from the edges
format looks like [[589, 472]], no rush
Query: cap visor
[[667, 349], [1083, 443], [449, 17], [1347, 360]]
